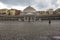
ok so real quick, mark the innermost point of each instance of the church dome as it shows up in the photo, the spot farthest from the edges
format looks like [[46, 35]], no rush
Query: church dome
[[29, 9]]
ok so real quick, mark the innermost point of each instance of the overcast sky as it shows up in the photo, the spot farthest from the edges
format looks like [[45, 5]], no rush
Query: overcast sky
[[37, 4]]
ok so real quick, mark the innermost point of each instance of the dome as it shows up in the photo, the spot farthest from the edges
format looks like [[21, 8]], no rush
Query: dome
[[29, 9]]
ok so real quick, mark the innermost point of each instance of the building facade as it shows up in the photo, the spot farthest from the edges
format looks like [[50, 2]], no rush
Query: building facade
[[31, 11], [10, 12], [27, 11], [14, 12], [4, 12], [50, 11]]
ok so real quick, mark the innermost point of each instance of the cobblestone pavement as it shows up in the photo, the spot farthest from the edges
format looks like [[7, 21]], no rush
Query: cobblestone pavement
[[15, 30]]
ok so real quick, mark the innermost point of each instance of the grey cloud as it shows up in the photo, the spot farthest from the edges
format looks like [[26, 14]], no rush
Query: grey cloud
[[40, 5], [17, 2], [54, 2]]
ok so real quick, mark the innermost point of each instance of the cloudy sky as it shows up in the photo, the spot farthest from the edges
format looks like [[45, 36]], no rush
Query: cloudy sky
[[37, 4]]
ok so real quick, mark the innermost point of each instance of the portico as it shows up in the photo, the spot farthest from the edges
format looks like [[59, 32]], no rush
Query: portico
[[29, 14]]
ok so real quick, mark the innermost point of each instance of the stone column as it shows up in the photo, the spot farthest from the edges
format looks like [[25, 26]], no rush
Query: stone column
[[29, 19], [24, 18], [33, 19]]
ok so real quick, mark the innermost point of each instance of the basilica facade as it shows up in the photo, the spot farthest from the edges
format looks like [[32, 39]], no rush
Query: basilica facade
[[31, 11]]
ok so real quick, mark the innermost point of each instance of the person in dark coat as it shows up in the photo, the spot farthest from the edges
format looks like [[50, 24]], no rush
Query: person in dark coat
[[49, 21]]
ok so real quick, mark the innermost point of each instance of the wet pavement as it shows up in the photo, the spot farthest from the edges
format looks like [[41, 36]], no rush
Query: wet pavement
[[40, 30]]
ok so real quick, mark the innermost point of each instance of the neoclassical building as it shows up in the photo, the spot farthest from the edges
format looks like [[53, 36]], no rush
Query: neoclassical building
[[31, 11], [28, 11]]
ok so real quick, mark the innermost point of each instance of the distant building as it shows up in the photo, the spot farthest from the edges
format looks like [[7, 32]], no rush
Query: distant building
[[14, 12], [18, 12], [41, 13], [31, 11], [50, 11], [4, 11]]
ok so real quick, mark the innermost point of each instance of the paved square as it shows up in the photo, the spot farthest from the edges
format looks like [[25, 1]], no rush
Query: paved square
[[14, 30]]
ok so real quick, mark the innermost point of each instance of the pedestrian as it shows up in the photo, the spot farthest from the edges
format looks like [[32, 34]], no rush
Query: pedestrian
[[49, 21]]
